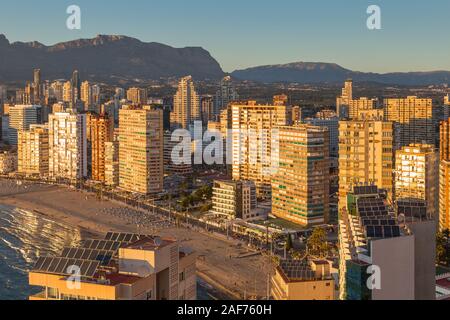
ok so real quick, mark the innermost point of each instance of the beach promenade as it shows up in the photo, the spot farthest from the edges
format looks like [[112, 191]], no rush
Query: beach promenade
[[218, 263]]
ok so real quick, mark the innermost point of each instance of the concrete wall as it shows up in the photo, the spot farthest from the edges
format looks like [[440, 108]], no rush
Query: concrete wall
[[395, 257]]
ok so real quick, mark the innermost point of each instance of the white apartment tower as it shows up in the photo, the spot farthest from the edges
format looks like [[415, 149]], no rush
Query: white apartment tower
[[186, 104], [67, 146]]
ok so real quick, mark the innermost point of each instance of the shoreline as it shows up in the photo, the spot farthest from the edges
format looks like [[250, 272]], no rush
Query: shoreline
[[229, 277]]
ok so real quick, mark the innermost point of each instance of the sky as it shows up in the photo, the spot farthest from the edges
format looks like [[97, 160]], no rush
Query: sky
[[247, 33]]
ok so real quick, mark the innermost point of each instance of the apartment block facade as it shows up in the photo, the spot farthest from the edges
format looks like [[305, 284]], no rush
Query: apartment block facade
[[300, 188]]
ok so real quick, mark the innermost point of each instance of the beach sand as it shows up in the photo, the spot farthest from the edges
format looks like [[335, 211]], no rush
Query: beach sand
[[217, 264]]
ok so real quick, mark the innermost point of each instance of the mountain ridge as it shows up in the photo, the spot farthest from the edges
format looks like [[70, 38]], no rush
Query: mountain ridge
[[322, 72], [105, 57], [119, 57]]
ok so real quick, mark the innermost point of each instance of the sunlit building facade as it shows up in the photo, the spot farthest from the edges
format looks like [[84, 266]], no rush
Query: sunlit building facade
[[132, 267], [186, 105], [413, 119], [366, 156], [67, 146], [300, 187], [100, 130], [141, 167], [33, 151], [255, 139], [417, 176]]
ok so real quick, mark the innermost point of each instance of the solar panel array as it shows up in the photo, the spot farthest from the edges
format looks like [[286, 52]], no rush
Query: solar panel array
[[378, 222], [103, 256], [372, 207], [412, 208], [361, 190], [123, 237], [382, 232], [88, 257], [297, 270], [106, 245], [61, 266]]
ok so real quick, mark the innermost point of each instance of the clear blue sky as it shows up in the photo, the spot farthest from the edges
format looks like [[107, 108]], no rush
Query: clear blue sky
[[244, 33]]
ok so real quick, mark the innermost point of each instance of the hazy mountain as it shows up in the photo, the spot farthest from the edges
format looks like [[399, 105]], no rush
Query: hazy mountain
[[314, 72], [104, 57]]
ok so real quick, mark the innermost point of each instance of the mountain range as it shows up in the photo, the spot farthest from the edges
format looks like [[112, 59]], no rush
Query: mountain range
[[105, 57], [112, 58], [317, 72]]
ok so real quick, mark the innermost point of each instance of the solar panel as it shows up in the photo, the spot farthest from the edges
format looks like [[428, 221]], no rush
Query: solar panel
[[39, 263], [123, 237], [103, 256], [297, 270], [60, 266], [362, 190]]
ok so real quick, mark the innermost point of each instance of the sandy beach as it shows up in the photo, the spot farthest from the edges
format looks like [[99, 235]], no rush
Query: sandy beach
[[218, 263]]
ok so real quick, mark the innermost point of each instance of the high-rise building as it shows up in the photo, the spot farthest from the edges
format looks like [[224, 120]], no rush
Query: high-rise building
[[234, 199], [67, 146], [296, 115], [254, 139], [136, 267], [186, 105], [447, 100], [57, 90], [300, 188], [342, 102], [330, 121], [353, 109], [207, 109], [141, 166], [68, 92], [225, 95], [20, 118], [444, 176], [356, 108], [444, 195], [372, 241], [366, 156], [416, 176], [100, 129], [171, 166], [90, 95], [37, 85], [3, 94], [303, 280], [112, 162], [137, 96], [413, 119], [76, 86], [33, 151]]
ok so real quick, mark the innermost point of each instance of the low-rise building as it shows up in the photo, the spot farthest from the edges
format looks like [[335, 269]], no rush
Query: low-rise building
[[235, 199], [121, 267], [300, 280]]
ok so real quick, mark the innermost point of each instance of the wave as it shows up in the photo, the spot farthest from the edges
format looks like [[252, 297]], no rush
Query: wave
[[25, 236]]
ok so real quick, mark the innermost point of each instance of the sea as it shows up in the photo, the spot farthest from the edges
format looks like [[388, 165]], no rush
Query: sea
[[25, 236]]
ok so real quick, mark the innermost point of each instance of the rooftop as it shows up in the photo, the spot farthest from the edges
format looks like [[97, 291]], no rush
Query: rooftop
[[97, 259]]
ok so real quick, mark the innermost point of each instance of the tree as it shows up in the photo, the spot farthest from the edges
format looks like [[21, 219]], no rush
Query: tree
[[206, 208], [317, 243], [442, 248], [185, 203], [289, 244]]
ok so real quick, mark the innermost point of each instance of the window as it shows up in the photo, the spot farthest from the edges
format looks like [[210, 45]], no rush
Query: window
[[149, 295]]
